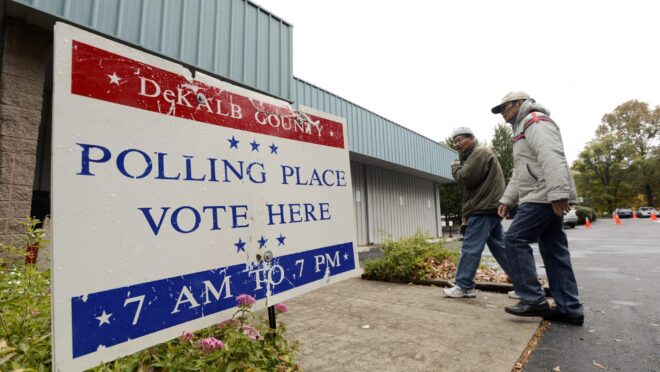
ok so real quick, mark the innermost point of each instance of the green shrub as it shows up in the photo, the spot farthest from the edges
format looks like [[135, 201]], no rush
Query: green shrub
[[24, 307], [244, 343], [583, 212], [404, 260]]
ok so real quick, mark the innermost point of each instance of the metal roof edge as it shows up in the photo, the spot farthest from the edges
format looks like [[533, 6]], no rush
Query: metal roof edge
[[255, 4], [367, 110], [384, 164]]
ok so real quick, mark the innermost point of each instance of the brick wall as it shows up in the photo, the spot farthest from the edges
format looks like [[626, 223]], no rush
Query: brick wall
[[24, 59]]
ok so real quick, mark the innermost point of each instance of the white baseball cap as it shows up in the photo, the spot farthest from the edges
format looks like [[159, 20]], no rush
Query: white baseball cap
[[512, 96]]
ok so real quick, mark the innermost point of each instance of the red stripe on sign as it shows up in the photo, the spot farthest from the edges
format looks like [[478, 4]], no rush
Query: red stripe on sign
[[97, 73]]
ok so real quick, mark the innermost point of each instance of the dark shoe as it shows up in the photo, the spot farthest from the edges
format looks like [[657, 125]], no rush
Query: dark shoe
[[523, 309], [555, 316]]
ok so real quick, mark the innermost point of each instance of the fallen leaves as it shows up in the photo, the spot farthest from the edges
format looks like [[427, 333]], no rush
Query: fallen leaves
[[7, 351], [596, 364], [533, 344], [446, 269], [487, 274]]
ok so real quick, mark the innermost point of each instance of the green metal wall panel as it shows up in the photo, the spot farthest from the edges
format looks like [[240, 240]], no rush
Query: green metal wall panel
[[235, 39], [397, 205]]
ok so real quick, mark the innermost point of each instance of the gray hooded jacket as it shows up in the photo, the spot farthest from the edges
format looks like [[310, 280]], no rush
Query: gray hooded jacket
[[540, 169]]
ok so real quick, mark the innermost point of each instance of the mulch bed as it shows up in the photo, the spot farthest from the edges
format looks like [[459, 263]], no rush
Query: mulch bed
[[446, 270]]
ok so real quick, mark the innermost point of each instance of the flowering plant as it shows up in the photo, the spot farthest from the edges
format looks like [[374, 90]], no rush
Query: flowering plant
[[281, 308], [243, 343], [209, 344], [245, 301]]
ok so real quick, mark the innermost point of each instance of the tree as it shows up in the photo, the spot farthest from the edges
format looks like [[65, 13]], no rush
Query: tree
[[636, 127], [600, 172], [502, 146], [621, 165]]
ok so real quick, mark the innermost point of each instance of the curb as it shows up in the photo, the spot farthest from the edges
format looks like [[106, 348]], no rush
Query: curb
[[367, 248], [482, 286]]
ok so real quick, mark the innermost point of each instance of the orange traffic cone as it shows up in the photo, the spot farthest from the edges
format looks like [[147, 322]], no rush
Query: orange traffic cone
[[617, 220], [634, 215], [653, 217], [587, 224]]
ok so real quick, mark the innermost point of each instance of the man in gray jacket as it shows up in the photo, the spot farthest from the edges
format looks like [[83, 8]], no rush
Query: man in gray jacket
[[480, 175], [542, 186]]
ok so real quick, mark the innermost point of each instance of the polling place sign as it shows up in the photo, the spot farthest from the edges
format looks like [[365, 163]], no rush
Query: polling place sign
[[169, 188]]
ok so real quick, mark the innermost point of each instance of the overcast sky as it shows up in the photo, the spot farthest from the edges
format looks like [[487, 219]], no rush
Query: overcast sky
[[432, 66]]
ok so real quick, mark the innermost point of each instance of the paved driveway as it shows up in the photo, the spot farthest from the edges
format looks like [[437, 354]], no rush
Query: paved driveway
[[618, 273]]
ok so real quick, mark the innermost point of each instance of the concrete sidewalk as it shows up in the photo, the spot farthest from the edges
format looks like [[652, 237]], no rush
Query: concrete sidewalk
[[361, 325]]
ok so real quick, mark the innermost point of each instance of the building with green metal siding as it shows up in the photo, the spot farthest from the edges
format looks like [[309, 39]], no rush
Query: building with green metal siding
[[395, 171]]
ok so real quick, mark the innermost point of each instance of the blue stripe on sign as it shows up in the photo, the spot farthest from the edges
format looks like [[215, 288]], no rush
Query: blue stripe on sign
[[117, 315]]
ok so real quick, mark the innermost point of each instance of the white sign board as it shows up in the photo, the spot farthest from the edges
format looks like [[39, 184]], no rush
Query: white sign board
[[169, 189]]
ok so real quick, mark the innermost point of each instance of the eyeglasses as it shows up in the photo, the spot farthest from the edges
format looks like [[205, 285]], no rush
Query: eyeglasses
[[458, 140]]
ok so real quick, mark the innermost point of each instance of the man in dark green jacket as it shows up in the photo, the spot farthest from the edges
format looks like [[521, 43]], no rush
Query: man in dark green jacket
[[480, 175]]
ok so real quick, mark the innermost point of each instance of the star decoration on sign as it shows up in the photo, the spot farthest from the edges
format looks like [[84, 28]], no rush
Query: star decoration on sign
[[332, 134], [255, 145], [262, 242], [345, 256], [114, 79], [280, 240], [273, 149], [104, 318], [233, 143], [240, 246]]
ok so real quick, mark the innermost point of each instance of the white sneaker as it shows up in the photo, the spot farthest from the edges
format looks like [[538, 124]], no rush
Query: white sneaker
[[514, 295], [458, 292]]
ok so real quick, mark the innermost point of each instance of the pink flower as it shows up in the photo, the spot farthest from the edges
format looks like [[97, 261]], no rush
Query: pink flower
[[225, 323], [245, 300], [281, 308], [251, 332], [186, 336], [210, 343]]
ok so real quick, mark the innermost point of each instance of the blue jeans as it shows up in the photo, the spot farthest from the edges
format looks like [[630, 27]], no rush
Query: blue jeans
[[481, 229], [536, 222]]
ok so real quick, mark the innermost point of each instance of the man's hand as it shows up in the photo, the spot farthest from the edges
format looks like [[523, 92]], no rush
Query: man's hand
[[561, 207], [455, 163], [503, 210], [463, 229]]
